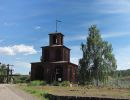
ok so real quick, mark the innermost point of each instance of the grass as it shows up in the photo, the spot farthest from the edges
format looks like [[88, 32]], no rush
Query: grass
[[41, 91], [64, 83], [37, 83], [34, 90], [116, 89], [86, 91]]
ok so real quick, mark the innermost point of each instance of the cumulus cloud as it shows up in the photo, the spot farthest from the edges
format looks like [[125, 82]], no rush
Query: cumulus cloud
[[16, 49], [6, 51]]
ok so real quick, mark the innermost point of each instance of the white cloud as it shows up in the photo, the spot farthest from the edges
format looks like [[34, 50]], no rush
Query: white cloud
[[74, 60], [24, 49], [76, 54], [6, 51], [13, 50], [37, 27]]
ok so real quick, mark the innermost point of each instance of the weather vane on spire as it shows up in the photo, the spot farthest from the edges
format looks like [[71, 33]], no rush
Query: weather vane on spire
[[57, 24]]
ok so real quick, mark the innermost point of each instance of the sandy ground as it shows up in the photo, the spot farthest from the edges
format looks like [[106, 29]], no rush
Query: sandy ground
[[9, 92]]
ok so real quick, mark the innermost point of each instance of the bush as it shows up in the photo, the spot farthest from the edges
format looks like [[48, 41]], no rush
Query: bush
[[21, 79], [37, 83], [65, 83], [37, 92]]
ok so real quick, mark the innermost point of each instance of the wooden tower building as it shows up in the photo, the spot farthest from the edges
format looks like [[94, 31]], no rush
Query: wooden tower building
[[55, 62]]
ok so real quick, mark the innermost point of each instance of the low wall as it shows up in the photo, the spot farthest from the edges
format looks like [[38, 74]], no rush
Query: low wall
[[55, 97]]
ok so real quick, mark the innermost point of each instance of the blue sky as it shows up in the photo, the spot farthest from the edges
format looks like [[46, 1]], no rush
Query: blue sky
[[25, 25]]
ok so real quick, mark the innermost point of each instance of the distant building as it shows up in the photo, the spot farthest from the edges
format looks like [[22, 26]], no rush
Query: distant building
[[55, 62]]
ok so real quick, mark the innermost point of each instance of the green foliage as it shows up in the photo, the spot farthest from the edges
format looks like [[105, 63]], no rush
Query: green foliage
[[123, 73], [97, 61], [37, 92], [3, 73], [21, 79], [37, 83], [65, 83]]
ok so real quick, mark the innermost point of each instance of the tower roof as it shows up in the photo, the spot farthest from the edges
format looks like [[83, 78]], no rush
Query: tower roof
[[56, 33]]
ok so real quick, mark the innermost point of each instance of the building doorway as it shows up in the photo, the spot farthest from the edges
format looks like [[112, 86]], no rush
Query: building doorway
[[59, 74]]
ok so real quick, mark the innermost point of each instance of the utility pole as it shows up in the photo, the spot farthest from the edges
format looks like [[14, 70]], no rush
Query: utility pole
[[8, 70], [57, 24]]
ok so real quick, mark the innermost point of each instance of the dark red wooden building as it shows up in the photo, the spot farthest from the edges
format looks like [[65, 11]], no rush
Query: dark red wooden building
[[55, 62]]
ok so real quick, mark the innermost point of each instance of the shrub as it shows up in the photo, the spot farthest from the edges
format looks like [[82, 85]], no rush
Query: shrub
[[21, 79], [37, 83], [33, 90], [65, 83]]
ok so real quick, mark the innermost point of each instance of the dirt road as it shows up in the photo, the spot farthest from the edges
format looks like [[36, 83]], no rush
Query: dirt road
[[9, 92]]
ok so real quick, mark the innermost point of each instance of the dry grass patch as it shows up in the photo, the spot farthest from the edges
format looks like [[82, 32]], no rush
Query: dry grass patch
[[85, 91], [81, 91]]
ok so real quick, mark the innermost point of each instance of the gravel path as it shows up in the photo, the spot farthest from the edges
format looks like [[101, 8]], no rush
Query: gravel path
[[9, 92]]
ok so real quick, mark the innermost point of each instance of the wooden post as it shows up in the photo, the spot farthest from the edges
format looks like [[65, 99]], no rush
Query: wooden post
[[7, 73]]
